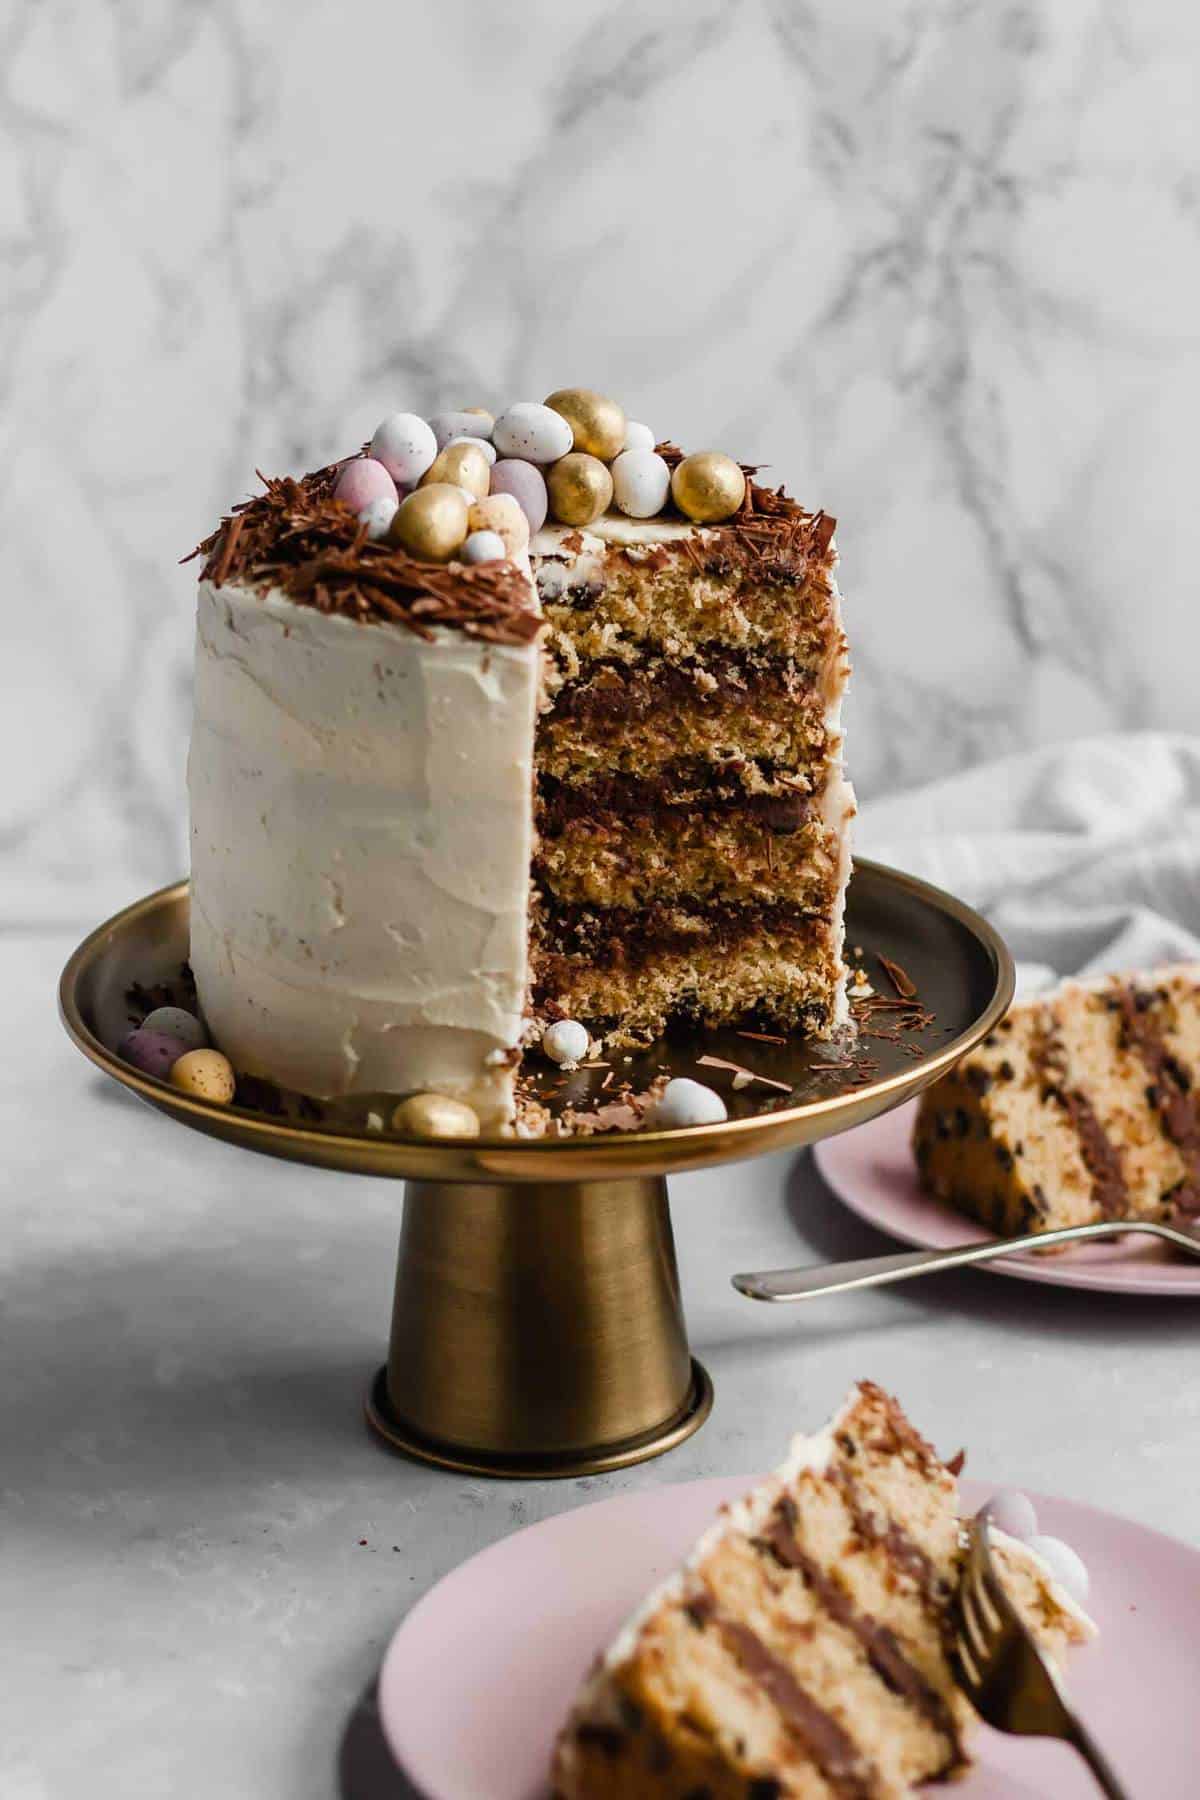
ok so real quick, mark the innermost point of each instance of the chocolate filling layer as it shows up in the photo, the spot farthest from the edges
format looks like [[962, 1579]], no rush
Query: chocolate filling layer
[[621, 937], [642, 802], [819, 1734], [880, 1644], [1169, 1092], [1101, 1156], [609, 694]]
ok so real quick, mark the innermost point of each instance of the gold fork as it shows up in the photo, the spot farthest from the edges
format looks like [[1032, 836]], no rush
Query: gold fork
[[1002, 1671]]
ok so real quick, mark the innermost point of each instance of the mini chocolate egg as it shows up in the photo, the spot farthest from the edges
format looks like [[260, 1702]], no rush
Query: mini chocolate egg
[[535, 433], [478, 443], [435, 1116], [566, 1041], [580, 488], [378, 516], [205, 1073], [526, 484], [362, 480], [481, 412], [153, 1052], [447, 426], [641, 483], [177, 1023], [432, 523], [708, 487], [597, 424], [484, 546], [637, 436], [1066, 1565], [685, 1102], [464, 465], [405, 445], [502, 514]]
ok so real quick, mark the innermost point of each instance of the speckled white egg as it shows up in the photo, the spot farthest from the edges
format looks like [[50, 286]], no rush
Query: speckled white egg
[[641, 483], [1011, 1511], [1066, 1565], [566, 1041], [447, 426], [483, 546], [477, 443], [527, 485], [638, 436], [535, 433], [177, 1023], [405, 445], [378, 516], [362, 480], [686, 1102]]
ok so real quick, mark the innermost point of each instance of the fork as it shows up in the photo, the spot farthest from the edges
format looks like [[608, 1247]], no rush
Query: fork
[[875, 1271], [1002, 1671]]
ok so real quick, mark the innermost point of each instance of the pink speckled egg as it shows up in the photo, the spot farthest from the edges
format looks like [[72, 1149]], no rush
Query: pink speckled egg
[[153, 1052], [526, 484], [362, 480]]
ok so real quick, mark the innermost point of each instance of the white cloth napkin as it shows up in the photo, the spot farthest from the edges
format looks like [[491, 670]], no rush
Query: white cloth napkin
[[1085, 855]]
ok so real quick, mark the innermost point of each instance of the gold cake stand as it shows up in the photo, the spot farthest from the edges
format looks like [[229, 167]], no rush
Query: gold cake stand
[[538, 1328]]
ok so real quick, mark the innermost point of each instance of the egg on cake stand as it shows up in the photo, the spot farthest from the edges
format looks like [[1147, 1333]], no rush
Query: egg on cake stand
[[538, 1328]]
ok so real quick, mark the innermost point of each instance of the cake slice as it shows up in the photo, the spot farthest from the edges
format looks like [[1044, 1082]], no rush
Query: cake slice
[[801, 1651], [1081, 1105]]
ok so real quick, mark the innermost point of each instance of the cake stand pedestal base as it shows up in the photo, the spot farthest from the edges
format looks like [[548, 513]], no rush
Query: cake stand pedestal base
[[537, 1329]]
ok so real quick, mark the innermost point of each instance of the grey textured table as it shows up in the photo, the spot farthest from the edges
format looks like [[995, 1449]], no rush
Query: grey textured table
[[202, 1552]]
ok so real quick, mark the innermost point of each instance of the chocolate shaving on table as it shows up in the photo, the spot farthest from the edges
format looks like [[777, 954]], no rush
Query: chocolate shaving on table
[[298, 540]]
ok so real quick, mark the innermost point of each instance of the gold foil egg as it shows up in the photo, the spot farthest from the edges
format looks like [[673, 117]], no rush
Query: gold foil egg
[[580, 488], [708, 487], [432, 522], [206, 1074], [502, 514], [463, 465], [435, 1116], [598, 424]]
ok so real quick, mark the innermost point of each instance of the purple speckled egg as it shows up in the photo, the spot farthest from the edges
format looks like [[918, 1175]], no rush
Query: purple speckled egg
[[153, 1052], [526, 484], [362, 480]]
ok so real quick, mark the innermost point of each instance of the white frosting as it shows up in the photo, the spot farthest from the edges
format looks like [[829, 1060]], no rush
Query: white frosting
[[361, 841]]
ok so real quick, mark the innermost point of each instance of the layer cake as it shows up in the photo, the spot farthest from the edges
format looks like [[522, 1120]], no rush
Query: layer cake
[[438, 804]]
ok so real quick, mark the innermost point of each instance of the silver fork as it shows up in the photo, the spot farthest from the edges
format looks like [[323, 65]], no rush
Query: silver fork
[[874, 1271], [1002, 1671]]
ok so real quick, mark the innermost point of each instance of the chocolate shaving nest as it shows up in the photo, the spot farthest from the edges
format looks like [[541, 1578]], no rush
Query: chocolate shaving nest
[[296, 538]]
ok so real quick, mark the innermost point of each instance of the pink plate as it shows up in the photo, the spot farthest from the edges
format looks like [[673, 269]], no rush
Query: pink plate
[[871, 1170], [478, 1678]]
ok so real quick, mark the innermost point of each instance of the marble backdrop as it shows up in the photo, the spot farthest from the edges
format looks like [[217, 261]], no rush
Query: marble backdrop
[[935, 262]]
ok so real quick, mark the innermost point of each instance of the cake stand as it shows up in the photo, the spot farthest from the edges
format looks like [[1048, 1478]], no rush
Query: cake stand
[[538, 1328]]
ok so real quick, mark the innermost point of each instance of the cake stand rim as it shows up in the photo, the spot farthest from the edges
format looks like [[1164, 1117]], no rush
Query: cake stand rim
[[543, 1159]]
